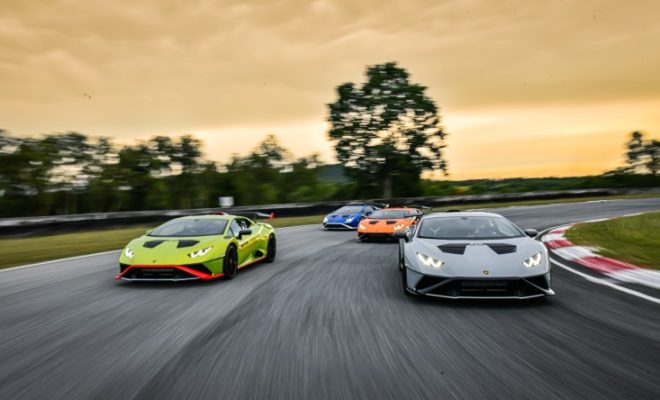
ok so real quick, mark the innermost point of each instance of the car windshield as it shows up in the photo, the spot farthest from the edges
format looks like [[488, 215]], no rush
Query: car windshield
[[349, 210], [190, 227], [391, 214], [468, 227]]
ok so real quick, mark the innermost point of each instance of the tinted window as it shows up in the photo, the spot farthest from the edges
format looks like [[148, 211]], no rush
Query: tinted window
[[244, 223], [466, 227], [393, 214], [234, 228], [349, 210], [190, 227]]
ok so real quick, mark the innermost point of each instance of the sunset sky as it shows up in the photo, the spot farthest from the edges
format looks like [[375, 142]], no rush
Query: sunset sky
[[526, 88]]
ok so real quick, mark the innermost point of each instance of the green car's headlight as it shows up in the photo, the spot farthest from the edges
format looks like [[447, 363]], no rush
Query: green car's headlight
[[533, 261], [128, 253], [199, 253], [429, 261]]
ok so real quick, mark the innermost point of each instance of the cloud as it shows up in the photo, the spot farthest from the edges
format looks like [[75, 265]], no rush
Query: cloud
[[180, 66]]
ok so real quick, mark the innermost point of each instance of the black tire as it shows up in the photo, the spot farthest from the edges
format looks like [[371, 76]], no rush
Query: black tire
[[230, 263], [362, 238], [271, 250]]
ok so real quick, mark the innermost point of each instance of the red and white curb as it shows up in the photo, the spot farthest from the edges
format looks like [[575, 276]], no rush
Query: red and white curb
[[587, 257]]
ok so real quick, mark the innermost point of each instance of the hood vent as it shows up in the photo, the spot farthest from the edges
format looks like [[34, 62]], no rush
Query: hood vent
[[391, 222], [152, 243], [186, 243], [502, 248], [453, 248], [373, 222]]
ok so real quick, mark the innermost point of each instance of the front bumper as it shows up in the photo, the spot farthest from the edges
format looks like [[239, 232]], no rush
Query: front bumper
[[478, 288], [338, 225], [169, 273], [376, 235]]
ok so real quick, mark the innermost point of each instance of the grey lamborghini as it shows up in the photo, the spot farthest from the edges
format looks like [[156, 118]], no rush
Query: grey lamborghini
[[472, 255]]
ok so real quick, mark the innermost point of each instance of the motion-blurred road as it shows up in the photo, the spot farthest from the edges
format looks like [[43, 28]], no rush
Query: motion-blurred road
[[327, 320]]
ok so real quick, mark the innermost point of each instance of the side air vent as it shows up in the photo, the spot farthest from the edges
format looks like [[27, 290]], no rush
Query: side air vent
[[186, 243], [502, 248], [152, 243], [453, 248]]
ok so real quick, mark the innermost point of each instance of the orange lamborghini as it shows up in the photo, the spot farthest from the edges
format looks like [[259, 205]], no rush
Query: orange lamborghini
[[384, 222]]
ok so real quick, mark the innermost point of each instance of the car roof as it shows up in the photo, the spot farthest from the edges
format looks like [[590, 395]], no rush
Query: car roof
[[225, 217], [462, 214], [399, 209]]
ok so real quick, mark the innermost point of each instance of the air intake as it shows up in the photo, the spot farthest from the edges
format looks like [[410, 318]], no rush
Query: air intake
[[453, 248], [186, 243], [502, 248]]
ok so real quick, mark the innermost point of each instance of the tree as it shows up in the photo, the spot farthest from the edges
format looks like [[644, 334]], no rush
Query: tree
[[635, 154], [642, 156], [387, 130], [653, 152]]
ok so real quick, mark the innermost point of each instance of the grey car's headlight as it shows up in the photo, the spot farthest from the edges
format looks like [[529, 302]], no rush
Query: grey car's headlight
[[429, 261], [128, 253], [200, 253], [533, 261], [325, 220]]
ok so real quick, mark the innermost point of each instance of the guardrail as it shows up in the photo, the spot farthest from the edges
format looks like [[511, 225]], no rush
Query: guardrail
[[55, 223]]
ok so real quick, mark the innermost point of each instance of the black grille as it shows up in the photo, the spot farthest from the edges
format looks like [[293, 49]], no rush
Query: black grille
[[157, 273], [483, 287]]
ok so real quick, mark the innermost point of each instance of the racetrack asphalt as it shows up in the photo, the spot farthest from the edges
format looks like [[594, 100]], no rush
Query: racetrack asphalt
[[328, 319]]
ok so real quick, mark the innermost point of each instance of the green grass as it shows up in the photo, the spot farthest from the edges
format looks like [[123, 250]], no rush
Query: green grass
[[633, 239], [19, 251]]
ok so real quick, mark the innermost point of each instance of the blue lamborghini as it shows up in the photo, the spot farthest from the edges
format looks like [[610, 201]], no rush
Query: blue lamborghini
[[349, 216]]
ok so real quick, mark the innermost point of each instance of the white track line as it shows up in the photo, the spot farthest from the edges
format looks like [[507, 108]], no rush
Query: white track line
[[607, 283], [58, 260]]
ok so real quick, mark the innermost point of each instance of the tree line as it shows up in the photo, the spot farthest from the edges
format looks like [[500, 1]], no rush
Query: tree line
[[72, 173], [386, 131]]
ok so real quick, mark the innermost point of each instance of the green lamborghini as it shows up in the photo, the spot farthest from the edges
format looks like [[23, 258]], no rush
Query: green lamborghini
[[197, 247]]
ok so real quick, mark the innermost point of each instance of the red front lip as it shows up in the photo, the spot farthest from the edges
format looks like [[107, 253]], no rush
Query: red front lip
[[198, 274]]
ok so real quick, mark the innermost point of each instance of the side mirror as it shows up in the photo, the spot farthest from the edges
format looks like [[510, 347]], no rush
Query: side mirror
[[402, 234], [244, 232], [368, 213], [531, 232]]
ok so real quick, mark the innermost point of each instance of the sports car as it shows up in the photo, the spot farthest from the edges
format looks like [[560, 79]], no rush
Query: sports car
[[384, 222], [472, 255], [197, 247], [349, 216]]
